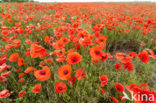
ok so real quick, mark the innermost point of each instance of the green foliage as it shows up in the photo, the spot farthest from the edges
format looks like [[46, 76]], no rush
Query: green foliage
[[82, 91]]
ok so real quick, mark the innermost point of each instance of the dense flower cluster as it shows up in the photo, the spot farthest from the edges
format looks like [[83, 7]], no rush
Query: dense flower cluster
[[59, 50]]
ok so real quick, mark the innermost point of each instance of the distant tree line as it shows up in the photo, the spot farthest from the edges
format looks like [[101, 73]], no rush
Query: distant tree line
[[16, 0]]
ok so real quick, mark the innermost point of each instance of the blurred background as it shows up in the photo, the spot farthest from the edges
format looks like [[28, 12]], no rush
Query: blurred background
[[94, 0], [78, 0]]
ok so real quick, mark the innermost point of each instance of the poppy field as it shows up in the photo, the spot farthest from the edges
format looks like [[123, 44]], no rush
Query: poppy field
[[77, 53]]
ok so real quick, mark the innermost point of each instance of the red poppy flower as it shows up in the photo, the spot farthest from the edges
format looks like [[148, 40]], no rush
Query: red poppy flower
[[43, 74], [118, 66], [102, 90], [94, 60], [28, 41], [142, 44], [27, 53], [13, 57], [48, 61], [21, 80], [73, 58], [133, 54], [30, 70], [3, 67], [128, 66], [64, 72], [149, 51], [65, 40], [8, 46], [37, 51], [72, 80], [16, 41], [6, 73], [104, 57], [18, 70], [21, 75], [4, 33], [4, 93], [21, 61], [3, 59], [125, 59], [37, 88], [47, 39], [96, 52], [144, 57], [127, 31], [103, 80], [130, 87], [60, 87], [58, 44], [119, 87], [59, 52], [114, 99], [80, 74], [101, 39], [22, 94], [41, 64], [61, 58], [85, 41]]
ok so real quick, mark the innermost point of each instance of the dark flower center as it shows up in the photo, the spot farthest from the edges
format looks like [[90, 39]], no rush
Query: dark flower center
[[42, 72], [103, 80], [60, 88], [22, 94], [74, 59], [51, 41], [101, 40], [124, 56], [65, 72], [48, 61], [37, 89], [104, 57], [64, 40], [126, 66], [97, 52], [118, 89], [22, 61]]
